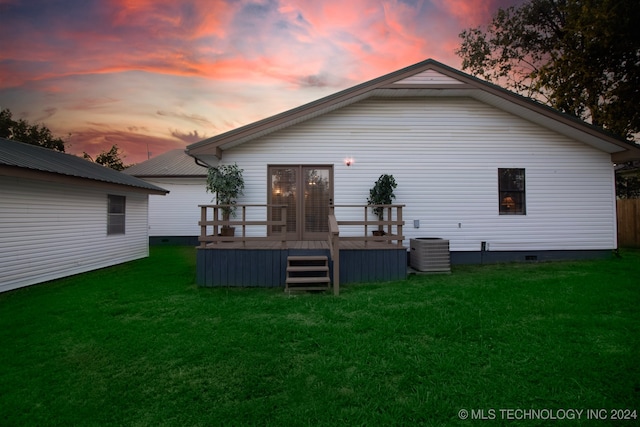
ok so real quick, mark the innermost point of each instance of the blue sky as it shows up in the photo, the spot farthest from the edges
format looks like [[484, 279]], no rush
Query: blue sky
[[162, 74]]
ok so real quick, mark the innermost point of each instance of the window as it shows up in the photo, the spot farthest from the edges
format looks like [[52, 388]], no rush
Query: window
[[511, 192], [115, 214]]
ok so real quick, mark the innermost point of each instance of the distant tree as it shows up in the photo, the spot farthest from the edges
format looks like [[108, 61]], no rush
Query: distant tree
[[23, 131], [627, 186], [581, 57], [111, 159]]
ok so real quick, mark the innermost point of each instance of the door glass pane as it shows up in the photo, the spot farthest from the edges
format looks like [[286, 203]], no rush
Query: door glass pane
[[284, 192], [317, 193]]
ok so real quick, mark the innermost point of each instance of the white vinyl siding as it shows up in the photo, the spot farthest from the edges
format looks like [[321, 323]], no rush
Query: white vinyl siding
[[429, 77], [444, 153], [51, 230], [177, 213]]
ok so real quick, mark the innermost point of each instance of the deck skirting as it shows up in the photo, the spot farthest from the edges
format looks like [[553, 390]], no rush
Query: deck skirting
[[218, 265]]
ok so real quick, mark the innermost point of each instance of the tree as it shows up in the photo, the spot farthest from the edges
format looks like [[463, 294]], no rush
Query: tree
[[23, 131], [627, 187], [111, 159], [582, 57]]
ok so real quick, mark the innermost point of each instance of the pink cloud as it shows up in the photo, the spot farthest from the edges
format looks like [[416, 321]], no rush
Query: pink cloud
[[208, 65], [471, 13]]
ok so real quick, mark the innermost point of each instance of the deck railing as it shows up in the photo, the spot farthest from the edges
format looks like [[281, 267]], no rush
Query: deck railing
[[391, 232], [391, 226], [211, 224]]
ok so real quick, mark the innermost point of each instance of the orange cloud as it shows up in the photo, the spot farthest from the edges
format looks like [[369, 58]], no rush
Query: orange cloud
[[207, 65]]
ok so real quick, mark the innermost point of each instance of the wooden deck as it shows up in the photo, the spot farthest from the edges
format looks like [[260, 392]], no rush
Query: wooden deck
[[303, 245], [250, 260], [264, 263]]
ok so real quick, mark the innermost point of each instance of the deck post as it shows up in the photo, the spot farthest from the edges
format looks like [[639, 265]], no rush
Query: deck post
[[244, 225], [283, 227], [203, 225], [366, 241], [400, 222], [334, 250], [336, 268], [390, 222], [215, 224]]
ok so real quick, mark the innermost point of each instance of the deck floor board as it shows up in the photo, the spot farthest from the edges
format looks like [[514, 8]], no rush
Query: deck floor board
[[303, 244]]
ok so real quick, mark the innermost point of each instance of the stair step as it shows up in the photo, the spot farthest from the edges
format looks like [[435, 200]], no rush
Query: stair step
[[307, 258], [306, 288], [293, 280], [306, 268], [307, 273]]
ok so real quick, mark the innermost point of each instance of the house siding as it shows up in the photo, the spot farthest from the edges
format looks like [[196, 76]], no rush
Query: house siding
[[429, 77], [49, 231], [445, 154], [177, 213]]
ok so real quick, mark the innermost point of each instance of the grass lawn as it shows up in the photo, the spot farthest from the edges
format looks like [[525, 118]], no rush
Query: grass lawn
[[140, 344]]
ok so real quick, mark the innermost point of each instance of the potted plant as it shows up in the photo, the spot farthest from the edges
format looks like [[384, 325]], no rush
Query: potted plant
[[381, 194], [227, 183]]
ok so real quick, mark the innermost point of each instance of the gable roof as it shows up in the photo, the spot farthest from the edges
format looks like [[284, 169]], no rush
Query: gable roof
[[32, 161], [174, 163], [426, 78]]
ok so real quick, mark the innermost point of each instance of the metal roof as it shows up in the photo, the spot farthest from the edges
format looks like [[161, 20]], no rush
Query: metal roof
[[35, 158], [170, 164]]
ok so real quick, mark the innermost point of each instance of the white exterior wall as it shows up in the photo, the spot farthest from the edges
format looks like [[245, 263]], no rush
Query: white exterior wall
[[445, 154], [50, 230], [429, 77], [177, 213]]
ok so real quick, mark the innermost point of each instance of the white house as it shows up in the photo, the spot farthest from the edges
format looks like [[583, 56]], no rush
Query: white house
[[497, 174], [173, 219], [61, 215]]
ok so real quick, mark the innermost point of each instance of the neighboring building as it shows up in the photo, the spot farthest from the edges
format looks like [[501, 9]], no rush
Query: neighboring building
[[173, 219], [61, 215], [502, 177]]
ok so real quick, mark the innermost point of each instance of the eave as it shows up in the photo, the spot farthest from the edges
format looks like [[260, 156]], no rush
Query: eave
[[389, 86]]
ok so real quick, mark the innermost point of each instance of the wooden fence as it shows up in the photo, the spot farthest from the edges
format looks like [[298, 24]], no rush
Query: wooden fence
[[629, 223]]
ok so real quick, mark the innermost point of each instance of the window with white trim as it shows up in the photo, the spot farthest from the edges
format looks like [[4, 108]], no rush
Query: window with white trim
[[115, 214], [511, 192]]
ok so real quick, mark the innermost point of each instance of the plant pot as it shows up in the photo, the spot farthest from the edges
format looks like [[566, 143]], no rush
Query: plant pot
[[228, 231], [379, 233]]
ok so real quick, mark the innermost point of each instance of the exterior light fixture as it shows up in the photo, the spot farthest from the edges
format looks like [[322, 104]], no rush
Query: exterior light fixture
[[348, 161]]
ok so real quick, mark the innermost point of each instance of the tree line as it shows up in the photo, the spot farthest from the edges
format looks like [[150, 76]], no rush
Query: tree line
[[38, 134]]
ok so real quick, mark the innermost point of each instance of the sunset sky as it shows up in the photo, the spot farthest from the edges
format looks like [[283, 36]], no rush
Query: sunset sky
[[165, 73]]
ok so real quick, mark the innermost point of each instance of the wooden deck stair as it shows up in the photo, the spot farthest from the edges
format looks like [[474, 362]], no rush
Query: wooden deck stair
[[307, 273]]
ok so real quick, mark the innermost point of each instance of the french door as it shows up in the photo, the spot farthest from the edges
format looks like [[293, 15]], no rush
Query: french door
[[307, 192]]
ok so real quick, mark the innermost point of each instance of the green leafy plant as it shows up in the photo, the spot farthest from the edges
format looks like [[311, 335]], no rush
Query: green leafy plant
[[382, 194], [227, 183]]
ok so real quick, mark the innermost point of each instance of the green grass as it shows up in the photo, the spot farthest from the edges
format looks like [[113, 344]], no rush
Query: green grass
[[140, 344]]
